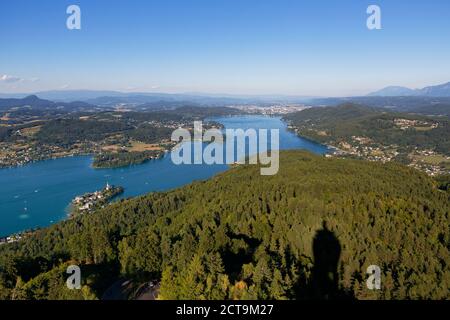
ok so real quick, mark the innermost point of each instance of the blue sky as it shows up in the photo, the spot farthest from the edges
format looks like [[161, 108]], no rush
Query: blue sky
[[314, 47]]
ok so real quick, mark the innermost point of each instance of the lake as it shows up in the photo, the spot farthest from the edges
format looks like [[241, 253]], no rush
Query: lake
[[38, 194]]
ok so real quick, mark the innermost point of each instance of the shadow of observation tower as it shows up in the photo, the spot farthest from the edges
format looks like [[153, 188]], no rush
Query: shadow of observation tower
[[324, 281]]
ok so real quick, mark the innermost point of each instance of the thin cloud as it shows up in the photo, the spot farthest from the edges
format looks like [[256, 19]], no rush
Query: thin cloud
[[141, 88], [13, 79], [9, 79]]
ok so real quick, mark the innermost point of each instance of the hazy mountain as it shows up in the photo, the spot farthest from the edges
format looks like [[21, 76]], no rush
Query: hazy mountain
[[111, 98], [195, 98], [442, 90], [393, 91], [35, 102], [72, 95], [32, 101], [67, 95]]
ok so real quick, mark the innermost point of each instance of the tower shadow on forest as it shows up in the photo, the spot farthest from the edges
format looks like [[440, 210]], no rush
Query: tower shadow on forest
[[324, 281]]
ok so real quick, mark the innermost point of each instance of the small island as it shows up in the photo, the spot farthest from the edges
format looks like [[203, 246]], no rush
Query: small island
[[123, 159], [90, 202]]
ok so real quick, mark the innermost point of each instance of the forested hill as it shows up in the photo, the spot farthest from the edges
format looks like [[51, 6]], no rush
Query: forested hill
[[310, 231], [404, 131], [416, 104]]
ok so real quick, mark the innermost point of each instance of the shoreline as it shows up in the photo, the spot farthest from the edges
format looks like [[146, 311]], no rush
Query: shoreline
[[165, 154], [46, 159], [90, 154]]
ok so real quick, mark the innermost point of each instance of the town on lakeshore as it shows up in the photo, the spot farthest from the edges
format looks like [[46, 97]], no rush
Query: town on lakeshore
[[83, 204], [90, 202], [11, 239]]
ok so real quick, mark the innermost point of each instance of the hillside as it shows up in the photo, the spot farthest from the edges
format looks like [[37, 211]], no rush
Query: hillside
[[407, 131], [440, 109], [310, 231], [375, 134], [414, 104]]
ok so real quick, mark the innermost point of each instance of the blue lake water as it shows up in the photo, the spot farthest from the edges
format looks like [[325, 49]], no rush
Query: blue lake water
[[38, 194]]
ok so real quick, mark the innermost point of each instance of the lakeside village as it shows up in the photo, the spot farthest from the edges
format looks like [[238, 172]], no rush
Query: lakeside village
[[86, 203], [90, 202], [12, 238], [428, 161]]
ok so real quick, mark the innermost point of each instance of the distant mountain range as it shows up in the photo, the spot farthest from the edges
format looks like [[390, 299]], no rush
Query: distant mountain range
[[111, 98], [89, 101], [433, 100], [442, 90], [37, 103], [32, 100]]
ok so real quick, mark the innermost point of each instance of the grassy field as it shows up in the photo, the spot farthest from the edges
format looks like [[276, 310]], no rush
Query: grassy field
[[111, 148], [140, 146], [432, 159], [29, 132], [423, 128], [134, 146]]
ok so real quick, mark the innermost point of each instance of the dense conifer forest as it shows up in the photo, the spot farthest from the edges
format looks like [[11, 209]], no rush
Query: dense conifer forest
[[310, 231], [121, 159]]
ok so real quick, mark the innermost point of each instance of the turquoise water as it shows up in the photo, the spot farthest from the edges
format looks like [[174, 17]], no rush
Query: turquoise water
[[38, 194]]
